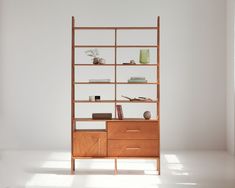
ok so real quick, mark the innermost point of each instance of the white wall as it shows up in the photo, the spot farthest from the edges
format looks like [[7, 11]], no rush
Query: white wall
[[230, 78], [35, 68]]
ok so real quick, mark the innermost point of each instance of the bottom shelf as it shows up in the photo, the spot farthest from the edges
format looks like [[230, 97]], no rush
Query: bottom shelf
[[109, 157], [116, 164], [114, 119]]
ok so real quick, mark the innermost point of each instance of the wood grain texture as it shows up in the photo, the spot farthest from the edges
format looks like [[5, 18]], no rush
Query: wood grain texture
[[133, 148], [89, 143], [132, 130]]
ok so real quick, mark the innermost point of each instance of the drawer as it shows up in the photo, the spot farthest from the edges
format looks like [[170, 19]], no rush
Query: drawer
[[89, 144], [133, 130], [133, 148]]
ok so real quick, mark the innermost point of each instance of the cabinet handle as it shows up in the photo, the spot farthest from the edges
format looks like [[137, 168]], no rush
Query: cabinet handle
[[132, 148], [132, 130]]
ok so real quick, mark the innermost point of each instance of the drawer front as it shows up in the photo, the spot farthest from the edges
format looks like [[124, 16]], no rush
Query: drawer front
[[133, 148], [89, 144], [133, 130]]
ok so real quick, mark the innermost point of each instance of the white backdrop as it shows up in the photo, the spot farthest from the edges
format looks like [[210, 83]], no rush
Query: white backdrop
[[230, 77], [35, 68]]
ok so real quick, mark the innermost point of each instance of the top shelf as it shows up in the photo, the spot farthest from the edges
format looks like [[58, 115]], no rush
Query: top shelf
[[116, 28], [121, 65]]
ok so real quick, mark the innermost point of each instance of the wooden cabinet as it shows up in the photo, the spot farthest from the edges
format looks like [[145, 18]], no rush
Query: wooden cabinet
[[89, 144], [132, 129], [133, 138], [133, 148]]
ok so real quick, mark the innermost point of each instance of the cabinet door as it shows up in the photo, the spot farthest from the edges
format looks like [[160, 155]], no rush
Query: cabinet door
[[89, 144]]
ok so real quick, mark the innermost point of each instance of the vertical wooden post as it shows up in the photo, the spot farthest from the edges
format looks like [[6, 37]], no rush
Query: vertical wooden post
[[115, 74], [158, 87], [72, 92], [115, 164]]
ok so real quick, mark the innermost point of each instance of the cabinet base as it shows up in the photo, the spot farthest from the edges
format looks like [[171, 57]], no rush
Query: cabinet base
[[115, 162]]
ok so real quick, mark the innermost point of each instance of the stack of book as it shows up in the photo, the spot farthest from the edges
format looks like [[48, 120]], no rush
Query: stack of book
[[99, 80], [137, 80]]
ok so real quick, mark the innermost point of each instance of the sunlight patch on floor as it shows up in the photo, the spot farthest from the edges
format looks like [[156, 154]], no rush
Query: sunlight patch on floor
[[175, 166], [171, 158], [179, 173], [173, 163], [123, 181]]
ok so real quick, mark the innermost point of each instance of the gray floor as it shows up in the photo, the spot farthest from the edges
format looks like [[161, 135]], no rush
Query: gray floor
[[47, 169]]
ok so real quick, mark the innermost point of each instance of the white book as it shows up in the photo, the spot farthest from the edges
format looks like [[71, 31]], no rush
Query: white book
[[137, 78], [99, 80]]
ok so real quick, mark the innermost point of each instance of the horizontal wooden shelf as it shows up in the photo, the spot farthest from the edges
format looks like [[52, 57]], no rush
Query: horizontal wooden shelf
[[121, 65], [125, 119], [117, 46], [106, 157], [137, 83], [94, 65], [94, 82], [117, 83], [140, 65], [115, 28], [90, 130], [113, 101]]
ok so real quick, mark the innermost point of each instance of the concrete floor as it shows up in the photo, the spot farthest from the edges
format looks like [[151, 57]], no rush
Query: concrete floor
[[48, 169]]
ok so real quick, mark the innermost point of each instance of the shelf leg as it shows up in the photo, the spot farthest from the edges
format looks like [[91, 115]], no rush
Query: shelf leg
[[158, 165], [115, 168], [72, 166]]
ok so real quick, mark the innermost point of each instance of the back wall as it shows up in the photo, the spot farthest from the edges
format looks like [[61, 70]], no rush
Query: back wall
[[35, 68]]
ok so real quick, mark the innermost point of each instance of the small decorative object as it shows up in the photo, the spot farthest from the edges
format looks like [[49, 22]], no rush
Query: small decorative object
[[97, 98], [101, 61], [95, 60], [91, 98], [138, 99], [144, 56], [94, 53], [147, 115], [94, 98], [119, 112], [132, 62]]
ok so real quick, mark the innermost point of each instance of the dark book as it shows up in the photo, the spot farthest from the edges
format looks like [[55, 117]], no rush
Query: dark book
[[101, 115], [119, 112]]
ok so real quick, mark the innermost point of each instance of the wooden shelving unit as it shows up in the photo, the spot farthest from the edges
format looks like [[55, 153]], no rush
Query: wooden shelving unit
[[119, 134]]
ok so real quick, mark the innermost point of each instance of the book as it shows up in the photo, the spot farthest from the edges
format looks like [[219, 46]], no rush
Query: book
[[119, 112], [137, 78], [101, 115], [99, 80], [137, 81]]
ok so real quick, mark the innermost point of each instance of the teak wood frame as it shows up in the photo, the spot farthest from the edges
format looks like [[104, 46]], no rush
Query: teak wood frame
[[115, 101]]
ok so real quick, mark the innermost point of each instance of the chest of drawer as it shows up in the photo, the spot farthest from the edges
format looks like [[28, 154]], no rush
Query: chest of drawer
[[133, 148], [132, 130]]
